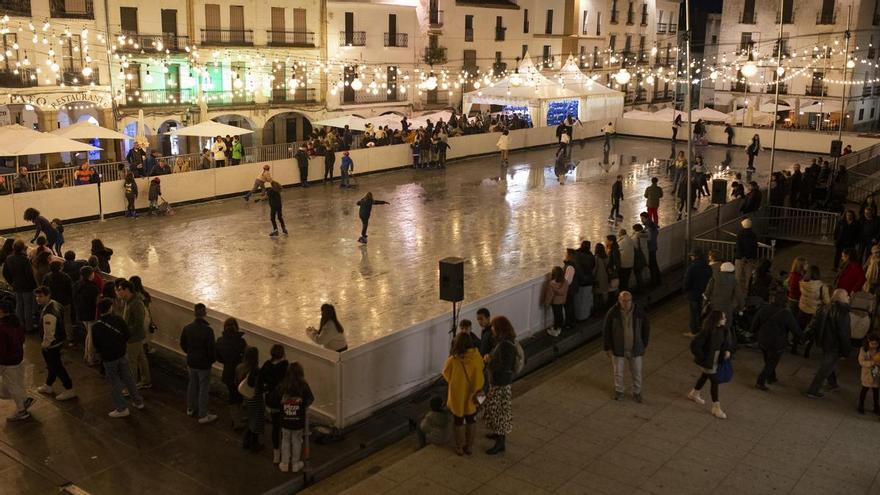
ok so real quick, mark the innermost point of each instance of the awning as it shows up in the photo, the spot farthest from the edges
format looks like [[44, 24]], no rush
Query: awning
[[210, 129], [87, 130]]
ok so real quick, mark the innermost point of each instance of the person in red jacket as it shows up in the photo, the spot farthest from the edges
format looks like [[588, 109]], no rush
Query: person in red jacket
[[851, 277], [11, 358]]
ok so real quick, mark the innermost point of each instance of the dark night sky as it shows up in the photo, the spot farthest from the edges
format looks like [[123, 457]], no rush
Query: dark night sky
[[699, 9]]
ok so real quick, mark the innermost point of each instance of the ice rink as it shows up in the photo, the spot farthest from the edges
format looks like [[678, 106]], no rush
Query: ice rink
[[509, 225]]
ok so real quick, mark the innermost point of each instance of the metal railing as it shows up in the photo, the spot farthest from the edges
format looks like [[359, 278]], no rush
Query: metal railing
[[435, 55], [816, 90], [826, 18], [74, 77], [728, 248], [18, 78], [397, 40], [469, 34], [352, 38], [500, 33], [158, 97], [230, 37], [381, 96], [239, 97], [661, 27], [135, 42], [673, 28], [301, 95], [14, 8], [614, 15], [72, 9], [795, 224], [290, 38]]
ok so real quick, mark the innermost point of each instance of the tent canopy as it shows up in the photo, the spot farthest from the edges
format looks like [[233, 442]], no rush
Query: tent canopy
[[709, 115], [530, 86], [16, 140], [743, 115], [770, 107], [352, 121], [822, 107], [210, 129], [87, 130], [571, 77]]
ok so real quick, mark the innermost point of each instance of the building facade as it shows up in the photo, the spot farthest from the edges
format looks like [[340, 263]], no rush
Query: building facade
[[818, 73], [276, 66]]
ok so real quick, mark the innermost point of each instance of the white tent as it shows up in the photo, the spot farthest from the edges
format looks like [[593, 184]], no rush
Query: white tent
[[524, 88], [210, 129], [88, 130], [822, 107], [668, 115], [353, 122], [639, 115], [598, 102], [709, 115], [770, 107], [16, 140], [747, 116]]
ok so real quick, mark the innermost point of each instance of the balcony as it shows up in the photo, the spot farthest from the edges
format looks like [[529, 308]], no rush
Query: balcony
[[673, 28], [499, 68], [816, 90], [644, 19], [661, 27], [597, 63], [824, 18], [785, 51], [352, 38], [222, 98], [72, 76], [136, 43], [866, 90], [301, 95], [304, 39], [872, 53], [788, 18], [469, 34], [22, 79], [738, 87], [439, 98], [435, 18], [747, 17], [630, 18], [157, 97], [400, 40], [499, 33], [435, 55], [16, 8], [771, 89], [382, 96], [228, 37], [614, 16], [72, 9], [643, 57]]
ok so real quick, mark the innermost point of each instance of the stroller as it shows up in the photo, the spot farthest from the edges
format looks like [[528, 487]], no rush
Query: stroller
[[164, 208]]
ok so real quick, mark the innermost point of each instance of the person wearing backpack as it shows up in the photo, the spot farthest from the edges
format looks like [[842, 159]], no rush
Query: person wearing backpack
[[711, 348], [626, 332], [831, 328], [502, 363], [296, 397]]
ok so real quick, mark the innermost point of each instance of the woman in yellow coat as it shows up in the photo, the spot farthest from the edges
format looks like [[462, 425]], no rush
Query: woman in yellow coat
[[463, 372]]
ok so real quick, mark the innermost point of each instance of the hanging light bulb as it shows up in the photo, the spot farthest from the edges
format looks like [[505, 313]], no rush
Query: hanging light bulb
[[87, 71], [713, 75], [749, 69], [356, 84], [622, 76], [650, 79], [850, 64], [237, 83], [516, 79], [780, 71]]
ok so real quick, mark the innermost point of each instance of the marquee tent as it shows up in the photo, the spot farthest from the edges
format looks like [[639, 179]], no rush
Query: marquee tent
[[16, 140], [210, 129], [88, 130], [822, 107], [599, 102], [709, 115], [748, 116]]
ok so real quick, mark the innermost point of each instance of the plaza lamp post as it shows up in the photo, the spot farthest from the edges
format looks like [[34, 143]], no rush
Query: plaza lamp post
[[779, 72], [849, 63], [690, 144]]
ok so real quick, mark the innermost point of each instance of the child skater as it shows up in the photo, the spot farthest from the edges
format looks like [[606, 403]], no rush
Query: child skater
[[869, 360], [273, 194], [59, 240], [296, 397], [366, 203]]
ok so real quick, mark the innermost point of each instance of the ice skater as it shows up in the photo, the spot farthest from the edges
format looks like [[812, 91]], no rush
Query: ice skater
[[366, 203], [503, 145], [616, 197], [264, 178], [273, 195]]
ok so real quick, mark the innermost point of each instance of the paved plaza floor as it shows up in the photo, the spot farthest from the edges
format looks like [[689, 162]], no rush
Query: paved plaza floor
[[569, 437], [509, 224]]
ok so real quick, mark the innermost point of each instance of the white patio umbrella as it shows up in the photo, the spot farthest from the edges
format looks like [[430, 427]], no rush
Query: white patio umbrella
[[87, 130], [210, 129], [16, 140], [770, 107]]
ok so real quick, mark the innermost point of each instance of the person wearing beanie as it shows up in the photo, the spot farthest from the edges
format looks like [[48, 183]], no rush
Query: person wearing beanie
[[745, 254], [153, 194], [723, 293]]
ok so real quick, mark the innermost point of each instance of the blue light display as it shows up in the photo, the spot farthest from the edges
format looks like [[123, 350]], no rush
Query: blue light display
[[558, 110]]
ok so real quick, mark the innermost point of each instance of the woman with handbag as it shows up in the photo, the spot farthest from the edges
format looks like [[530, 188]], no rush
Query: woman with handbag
[[463, 372], [502, 365], [251, 389], [711, 349]]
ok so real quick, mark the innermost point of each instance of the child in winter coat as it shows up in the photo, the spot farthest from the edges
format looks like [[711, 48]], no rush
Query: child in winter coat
[[555, 293], [154, 193], [59, 239], [130, 188], [296, 397], [869, 360], [436, 426]]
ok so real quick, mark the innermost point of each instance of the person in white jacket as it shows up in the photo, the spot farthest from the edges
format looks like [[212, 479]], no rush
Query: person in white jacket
[[259, 183], [627, 258], [608, 130], [54, 336], [503, 144], [329, 333]]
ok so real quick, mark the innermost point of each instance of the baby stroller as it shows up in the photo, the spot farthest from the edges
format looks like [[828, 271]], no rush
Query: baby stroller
[[164, 207]]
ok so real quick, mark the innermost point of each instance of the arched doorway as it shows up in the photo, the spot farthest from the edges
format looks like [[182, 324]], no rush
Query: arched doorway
[[74, 114], [130, 129], [287, 127], [169, 145], [236, 120]]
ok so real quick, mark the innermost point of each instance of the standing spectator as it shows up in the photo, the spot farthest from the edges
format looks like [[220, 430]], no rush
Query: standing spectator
[[42, 226], [346, 167], [52, 320], [136, 157], [602, 276], [110, 337], [585, 264], [503, 145], [869, 361], [296, 397], [86, 294], [237, 150], [502, 367], [103, 254], [135, 315], [797, 272], [613, 250], [616, 198], [83, 174], [329, 333], [329, 160], [723, 293], [219, 151], [627, 259], [22, 182], [846, 235], [794, 185], [640, 248], [11, 359], [851, 277], [831, 331], [814, 295], [197, 341], [710, 348], [247, 373], [745, 254], [653, 193], [61, 287], [302, 163], [653, 231], [772, 325], [728, 129], [869, 232], [872, 271], [626, 332], [752, 201], [18, 273], [696, 279], [752, 150], [463, 372], [555, 292], [571, 278], [230, 348], [484, 319], [271, 374], [346, 139]]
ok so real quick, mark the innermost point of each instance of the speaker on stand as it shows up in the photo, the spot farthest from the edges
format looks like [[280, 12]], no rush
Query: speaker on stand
[[452, 286]]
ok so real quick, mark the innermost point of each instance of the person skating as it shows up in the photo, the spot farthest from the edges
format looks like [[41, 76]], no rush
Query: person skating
[[503, 145], [752, 151], [346, 167], [43, 226], [52, 326], [11, 360], [273, 194], [130, 188], [653, 194], [616, 198], [259, 184], [366, 203], [302, 163], [154, 193]]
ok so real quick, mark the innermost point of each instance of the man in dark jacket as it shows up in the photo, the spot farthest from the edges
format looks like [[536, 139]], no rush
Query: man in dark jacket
[[86, 293], [626, 332], [110, 338], [696, 278], [11, 358], [302, 163], [62, 291], [745, 255], [197, 341], [19, 273], [846, 234], [72, 266], [772, 324], [616, 198], [794, 186], [653, 231], [830, 328], [329, 160], [585, 266]]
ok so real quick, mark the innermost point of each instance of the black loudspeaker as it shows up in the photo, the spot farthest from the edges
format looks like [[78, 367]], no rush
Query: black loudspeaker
[[452, 279], [836, 148], [719, 192]]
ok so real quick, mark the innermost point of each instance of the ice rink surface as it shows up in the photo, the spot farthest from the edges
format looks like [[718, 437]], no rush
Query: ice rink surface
[[508, 224]]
